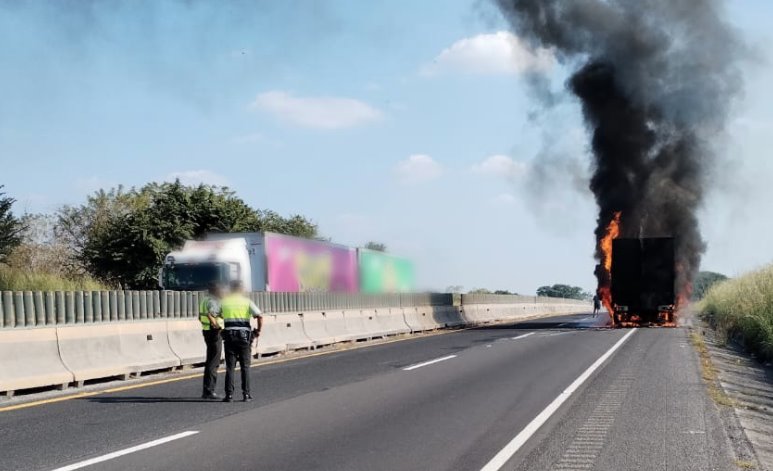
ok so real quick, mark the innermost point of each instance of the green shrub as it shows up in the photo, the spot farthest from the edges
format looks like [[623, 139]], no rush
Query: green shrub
[[21, 280], [743, 308]]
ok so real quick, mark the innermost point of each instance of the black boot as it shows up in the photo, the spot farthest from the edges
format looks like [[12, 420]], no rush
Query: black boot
[[210, 395], [228, 398], [247, 397]]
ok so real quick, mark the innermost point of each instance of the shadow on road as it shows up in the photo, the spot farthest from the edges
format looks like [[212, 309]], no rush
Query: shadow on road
[[144, 399], [598, 323]]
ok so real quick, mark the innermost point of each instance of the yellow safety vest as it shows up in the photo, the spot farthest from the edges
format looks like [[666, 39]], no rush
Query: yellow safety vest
[[236, 312], [203, 314]]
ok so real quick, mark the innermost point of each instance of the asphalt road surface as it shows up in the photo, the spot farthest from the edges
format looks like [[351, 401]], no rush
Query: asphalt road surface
[[556, 394]]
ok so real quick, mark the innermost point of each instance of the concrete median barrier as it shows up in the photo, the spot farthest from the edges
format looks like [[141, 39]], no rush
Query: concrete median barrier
[[272, 338], [447, 316], [420, 319], [337, 327], [391, 321], [362, 324], [426, 315], [30, 359], [146, 344], [315, 328], [119, 349], [287, 329], [186, 341], [93, 351]]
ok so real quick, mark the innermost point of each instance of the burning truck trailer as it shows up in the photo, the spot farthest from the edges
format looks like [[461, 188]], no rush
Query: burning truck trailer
[[642, 279]]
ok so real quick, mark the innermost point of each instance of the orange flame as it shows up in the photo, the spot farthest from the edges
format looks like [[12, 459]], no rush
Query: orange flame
[[612, 232]]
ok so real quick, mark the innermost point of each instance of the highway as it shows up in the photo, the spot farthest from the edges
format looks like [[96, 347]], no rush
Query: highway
[[562, 393]]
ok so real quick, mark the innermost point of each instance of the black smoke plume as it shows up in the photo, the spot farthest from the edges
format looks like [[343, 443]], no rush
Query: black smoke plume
[[655, 79]]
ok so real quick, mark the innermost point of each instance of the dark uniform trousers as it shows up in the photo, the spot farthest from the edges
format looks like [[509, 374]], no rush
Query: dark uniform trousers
[[214, 348], [238, 348]]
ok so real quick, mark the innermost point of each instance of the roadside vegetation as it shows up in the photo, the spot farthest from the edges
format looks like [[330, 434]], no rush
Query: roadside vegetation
[[20, 280], [742, 309]]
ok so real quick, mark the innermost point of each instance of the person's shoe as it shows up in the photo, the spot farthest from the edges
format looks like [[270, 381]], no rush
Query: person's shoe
[[210, 396], [228, 398], [247, 398]]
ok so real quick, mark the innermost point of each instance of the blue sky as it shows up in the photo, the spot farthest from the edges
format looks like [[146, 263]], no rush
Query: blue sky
[[392, 120]]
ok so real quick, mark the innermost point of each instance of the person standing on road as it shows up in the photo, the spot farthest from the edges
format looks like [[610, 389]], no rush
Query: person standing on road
[[209, 313], [237, 310], [596, 304]]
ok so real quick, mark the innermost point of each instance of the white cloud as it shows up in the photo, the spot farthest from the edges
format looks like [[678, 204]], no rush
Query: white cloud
[[500, 53], [197, 177], [418, 168], [316, 112], [501, 166]]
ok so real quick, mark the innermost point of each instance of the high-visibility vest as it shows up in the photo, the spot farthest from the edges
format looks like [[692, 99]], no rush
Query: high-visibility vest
[[203, 313], [236, 313]]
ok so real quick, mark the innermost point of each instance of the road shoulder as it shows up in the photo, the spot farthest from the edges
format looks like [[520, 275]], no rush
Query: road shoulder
[[745, 398]]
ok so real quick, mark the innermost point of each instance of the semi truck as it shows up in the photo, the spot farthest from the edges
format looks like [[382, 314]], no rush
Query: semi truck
[[262, 262], [275, 262], [642, 280]]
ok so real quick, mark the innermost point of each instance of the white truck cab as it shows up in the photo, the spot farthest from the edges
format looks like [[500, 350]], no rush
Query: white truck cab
[[200, 263]]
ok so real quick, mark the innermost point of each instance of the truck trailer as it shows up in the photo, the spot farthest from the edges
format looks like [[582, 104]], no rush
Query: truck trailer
[[263, 262], [642, 280], [275, 262]]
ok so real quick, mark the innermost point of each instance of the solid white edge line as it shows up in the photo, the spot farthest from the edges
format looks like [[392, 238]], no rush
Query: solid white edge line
[[522, 336], [116, 454], [436, 360], [516, 443]]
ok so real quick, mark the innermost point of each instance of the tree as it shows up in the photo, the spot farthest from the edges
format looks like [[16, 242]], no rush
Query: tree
[[704, 281], [562, 291], [377, 246], [40, 251], [456, 289], [121, 237], [11, 228], [503, 291]]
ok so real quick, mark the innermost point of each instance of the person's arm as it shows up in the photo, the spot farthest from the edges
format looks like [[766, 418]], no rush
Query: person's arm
[[213, 308], [255, 311]]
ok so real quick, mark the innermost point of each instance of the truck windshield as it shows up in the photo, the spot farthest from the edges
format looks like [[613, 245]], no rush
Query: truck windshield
[[193, 277]]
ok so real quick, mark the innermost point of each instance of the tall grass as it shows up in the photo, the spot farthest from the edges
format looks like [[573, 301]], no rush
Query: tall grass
[[21, 280], [743, 308]]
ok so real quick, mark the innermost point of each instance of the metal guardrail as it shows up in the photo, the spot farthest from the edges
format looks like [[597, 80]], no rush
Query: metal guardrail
[[47, 308], [481, 298]]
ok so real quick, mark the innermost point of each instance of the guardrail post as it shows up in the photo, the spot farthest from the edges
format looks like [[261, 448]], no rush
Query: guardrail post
[[79, 314], [112, 305], [154, 304], [40, 308], [69, 307], [120, 301], [8, 309], [128, 303], [136, 305], [143, 303], [96, 301], [29, 309], [50, 308], [88, 307]]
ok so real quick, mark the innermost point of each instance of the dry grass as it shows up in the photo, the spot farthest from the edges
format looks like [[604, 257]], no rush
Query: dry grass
[[743, 308], [745, 464], [21, 280], [709, 373]]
